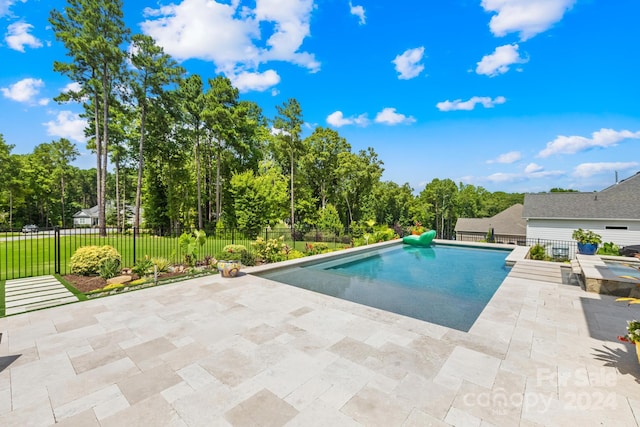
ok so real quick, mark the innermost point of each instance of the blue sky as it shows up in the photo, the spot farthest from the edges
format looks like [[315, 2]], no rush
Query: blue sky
[[510, 95]]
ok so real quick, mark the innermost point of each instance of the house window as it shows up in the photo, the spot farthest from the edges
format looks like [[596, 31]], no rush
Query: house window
[[616, 227]]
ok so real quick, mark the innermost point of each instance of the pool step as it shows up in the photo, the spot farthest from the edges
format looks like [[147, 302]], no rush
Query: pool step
[[539, 270]]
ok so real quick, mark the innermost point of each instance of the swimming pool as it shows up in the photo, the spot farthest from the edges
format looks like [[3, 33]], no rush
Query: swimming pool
[[446, 285]]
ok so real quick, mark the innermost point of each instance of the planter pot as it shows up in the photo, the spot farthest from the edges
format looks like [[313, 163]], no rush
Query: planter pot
[[637, 343], [587, 248], [228, 268]]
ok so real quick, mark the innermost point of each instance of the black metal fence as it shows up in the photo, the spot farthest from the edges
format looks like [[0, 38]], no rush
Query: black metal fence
[[48, 251], [39, 252], [558, 250]]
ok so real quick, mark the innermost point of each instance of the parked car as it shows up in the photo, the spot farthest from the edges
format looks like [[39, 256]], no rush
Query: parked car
[[30, 228]]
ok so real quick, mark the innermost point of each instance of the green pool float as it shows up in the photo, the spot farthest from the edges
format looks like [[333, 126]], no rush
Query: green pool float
[[422, 240]]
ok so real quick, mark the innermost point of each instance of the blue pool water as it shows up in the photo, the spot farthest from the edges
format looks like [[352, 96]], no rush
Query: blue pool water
[[446, 285]]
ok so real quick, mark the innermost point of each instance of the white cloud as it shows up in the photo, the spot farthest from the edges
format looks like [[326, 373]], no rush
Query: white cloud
[[17, 36], [586, 170], [246, 81], [359, 12], [527, 17], [408, 63], [26, 90], [501, 177], [231, 35], [499, 61], [72, 87], [5, 5], [507, 158], [469, 105], [573, 144], [337, 119], [531, 172], [388, 116], [67, 125], [533, 168]]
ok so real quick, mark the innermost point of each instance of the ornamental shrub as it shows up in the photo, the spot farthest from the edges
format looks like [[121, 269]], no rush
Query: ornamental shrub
[[109, 268], [271, 250], [143, 267], [538, 252], [294, 254], [87, 260], [161, 263], [316, 248], [232, 253]]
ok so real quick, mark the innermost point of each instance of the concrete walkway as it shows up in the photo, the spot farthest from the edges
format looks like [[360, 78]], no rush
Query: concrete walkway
[[33, 293], [248, 352]]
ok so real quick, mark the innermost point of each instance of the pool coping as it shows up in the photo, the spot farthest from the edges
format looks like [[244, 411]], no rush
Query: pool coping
[[517, 253]]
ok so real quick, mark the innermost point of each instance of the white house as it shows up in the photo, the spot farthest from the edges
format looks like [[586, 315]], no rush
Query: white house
[[89, 217], [614, 213], [86, 217]]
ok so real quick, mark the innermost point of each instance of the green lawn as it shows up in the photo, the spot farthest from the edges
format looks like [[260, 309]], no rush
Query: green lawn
[[2, 301]]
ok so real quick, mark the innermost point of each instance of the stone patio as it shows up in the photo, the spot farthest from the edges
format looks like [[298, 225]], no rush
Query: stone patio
[[251, 352]]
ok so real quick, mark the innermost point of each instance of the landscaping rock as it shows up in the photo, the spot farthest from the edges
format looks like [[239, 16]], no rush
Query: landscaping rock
[[119, 279]]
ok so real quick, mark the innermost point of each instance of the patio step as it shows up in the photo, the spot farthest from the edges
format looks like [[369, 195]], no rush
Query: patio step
[[34, 293], [539, 270]]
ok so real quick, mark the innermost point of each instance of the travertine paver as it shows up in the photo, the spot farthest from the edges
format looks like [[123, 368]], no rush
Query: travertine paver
[[248, 351]]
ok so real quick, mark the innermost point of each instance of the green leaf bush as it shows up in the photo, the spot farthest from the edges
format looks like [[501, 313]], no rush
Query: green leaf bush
[[109, 268], [161, 263], [538, 252], [271, 250], [87, 260], [143, 267], [609, 248]]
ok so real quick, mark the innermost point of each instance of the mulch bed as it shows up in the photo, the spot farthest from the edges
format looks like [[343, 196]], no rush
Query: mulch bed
[[90, 283], [85, 283]]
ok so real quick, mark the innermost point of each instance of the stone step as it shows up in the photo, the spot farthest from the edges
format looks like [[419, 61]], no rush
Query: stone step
[[29, 280], [32, 289], [33, 293], [40, 305], [35, 296]]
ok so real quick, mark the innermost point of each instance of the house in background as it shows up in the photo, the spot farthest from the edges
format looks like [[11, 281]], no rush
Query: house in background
[[89, 217], [507, 226], [614, 213], [86, 217]]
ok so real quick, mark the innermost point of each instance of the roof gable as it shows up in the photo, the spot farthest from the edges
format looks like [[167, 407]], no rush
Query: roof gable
[[508, 222], [620, 201]]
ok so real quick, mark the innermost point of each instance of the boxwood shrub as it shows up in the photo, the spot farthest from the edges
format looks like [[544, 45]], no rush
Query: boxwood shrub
[[87, 260]]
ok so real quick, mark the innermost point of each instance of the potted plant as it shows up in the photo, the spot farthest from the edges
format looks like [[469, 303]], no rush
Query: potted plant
[[633, 328], [228, 268], [588, 241]]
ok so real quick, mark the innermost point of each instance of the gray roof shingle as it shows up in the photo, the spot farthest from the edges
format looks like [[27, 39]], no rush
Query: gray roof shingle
[[509, 222], [620, 201]]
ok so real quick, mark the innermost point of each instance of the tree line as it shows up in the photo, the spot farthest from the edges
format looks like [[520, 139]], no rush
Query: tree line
[[182, 153]]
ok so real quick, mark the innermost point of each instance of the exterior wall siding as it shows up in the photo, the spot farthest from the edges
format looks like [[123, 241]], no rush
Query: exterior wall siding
[[556, 229]]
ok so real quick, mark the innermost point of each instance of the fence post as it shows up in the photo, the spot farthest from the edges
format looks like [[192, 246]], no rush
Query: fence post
[[56, 249], [135, 231]]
